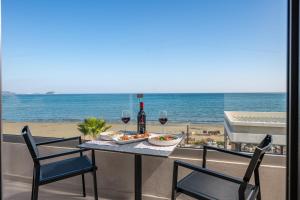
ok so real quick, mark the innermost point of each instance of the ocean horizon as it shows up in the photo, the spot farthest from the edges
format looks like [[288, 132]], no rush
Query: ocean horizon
[[181, 107]]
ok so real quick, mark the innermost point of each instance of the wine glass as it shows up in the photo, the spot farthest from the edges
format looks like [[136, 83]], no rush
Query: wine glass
[[163, 118], [125, 118]]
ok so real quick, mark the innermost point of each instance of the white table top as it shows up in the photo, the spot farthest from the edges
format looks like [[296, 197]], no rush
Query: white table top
[[141, 148]]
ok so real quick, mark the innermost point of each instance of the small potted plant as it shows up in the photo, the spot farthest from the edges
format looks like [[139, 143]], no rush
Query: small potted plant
[[92, 127]]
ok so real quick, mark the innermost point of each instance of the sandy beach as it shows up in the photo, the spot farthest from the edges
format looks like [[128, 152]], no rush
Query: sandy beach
[[197, 132]]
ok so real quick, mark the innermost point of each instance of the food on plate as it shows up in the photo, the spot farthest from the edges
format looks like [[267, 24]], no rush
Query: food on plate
[[166, 138], [138, 136], [125, 137], [134, 136]]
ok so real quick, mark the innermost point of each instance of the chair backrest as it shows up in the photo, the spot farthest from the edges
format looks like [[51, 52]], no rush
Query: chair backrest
[[30, 143], [257, 157]]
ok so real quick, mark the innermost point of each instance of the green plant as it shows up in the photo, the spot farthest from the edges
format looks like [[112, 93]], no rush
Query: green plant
[[220, 143], [93, 127], [200, 142]]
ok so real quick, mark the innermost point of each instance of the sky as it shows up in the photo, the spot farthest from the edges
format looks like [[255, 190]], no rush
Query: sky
[[129, 46]]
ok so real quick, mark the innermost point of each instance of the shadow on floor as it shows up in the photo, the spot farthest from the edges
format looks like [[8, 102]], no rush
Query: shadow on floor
[[21, 190]]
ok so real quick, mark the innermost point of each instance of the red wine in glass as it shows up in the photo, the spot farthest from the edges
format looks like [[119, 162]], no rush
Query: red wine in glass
[[163, 121], [125, 119], [163, 118]]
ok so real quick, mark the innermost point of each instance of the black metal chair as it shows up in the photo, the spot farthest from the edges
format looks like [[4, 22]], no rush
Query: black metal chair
[[203, 183], [58, 170]]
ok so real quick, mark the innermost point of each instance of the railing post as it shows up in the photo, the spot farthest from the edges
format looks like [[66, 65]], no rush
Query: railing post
[[204, 157], [292, 178], [187, 133]]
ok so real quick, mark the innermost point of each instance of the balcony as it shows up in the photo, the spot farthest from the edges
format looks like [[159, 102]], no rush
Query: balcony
[[116, 172], [193, 60]]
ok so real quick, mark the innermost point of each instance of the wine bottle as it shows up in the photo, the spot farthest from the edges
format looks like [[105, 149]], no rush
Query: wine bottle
[[141, 120]]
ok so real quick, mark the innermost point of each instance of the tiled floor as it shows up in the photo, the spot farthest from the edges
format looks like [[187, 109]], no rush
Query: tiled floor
[[20, 189]]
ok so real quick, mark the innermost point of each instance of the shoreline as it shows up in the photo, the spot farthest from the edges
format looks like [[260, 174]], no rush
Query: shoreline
[[69, 129], [152, 122]]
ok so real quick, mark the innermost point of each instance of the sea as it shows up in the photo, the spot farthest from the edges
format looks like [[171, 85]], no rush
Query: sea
[[181, 108]]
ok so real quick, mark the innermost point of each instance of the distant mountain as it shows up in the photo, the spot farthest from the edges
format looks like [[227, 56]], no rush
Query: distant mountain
[[8, 93], [49, 93]]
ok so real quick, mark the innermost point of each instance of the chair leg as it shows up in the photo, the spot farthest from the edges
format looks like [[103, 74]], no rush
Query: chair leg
[[83, 186], [173, 195], [95, 184], [35, 186], [174, 181], [36, 189], [257, 182], [32, 189], [258, 195]]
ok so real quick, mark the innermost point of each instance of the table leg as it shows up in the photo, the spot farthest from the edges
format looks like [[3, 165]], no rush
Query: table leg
[[138, 177]]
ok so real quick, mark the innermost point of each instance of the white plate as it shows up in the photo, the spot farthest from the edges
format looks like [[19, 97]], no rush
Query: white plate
[[108, 135], [119, 141], [154, 141]]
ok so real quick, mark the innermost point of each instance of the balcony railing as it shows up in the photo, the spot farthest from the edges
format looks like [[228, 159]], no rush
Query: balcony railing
[[116, 173]]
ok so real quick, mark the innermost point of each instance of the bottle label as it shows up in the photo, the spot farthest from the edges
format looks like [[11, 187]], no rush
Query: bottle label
[[141, 124], [141, 120]]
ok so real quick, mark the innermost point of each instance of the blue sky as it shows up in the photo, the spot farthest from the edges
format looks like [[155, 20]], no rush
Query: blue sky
[[113, 46]]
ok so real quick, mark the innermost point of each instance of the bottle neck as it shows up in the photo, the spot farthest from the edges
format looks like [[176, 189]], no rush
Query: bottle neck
[[141, 105]]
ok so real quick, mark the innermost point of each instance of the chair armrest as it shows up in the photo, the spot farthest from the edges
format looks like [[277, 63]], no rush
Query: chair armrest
[[59, 140], [205, 147], [207, 171], [61, 154], [227, 151]]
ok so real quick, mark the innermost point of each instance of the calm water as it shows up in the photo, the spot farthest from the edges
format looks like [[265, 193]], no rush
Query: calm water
[[197, 108]]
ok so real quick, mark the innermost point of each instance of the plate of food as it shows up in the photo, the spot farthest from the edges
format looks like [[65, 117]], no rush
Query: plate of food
[[165, 140], [130, 138], [108, 135]]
